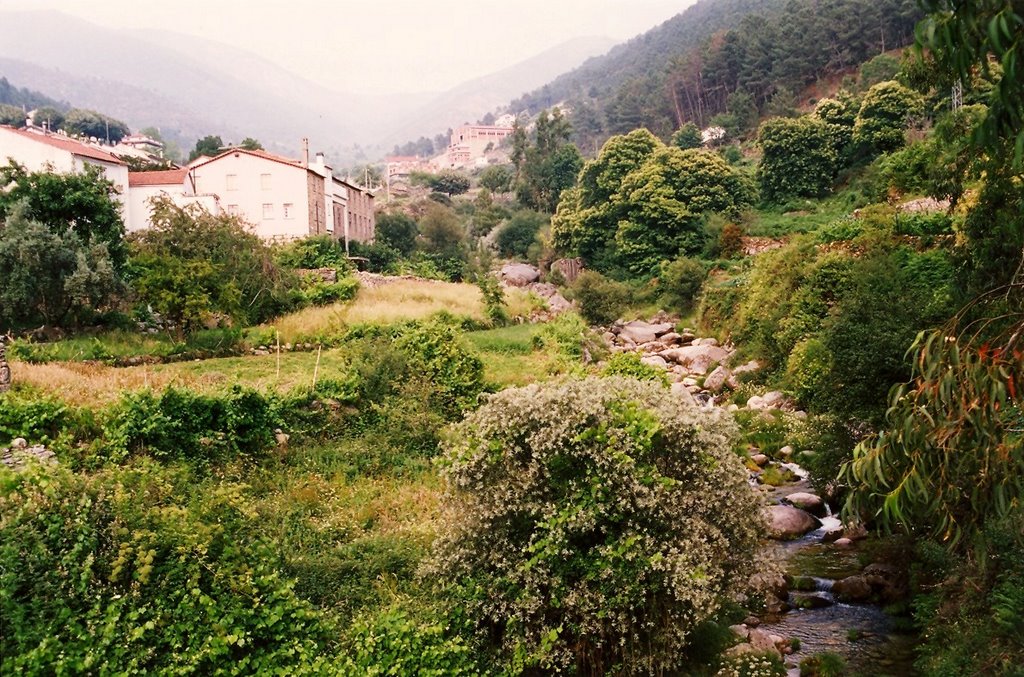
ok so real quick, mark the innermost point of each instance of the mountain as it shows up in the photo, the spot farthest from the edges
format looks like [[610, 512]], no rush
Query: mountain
[[469, 101], [689, 68], [190, 87]]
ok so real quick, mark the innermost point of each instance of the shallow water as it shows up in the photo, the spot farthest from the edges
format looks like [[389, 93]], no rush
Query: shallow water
[[861, 633]]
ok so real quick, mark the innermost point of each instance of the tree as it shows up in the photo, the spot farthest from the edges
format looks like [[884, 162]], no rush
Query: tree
[[208, 146], [966, 37], [193, 267], [883, 116], [249, 143], [443, 240], [12, 116], [549, 162], [450, 182], [687, 136], [89, 123], [519, 233], [595, 523], [50, 116], [799, 158], [398, 231], [640, 202], [881, 68], [664, 202], [497, 178], [51, 278], [84, 202], [585, 220]]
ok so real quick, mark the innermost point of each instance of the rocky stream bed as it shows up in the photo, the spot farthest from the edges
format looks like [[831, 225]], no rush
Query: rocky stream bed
[[833, 589]]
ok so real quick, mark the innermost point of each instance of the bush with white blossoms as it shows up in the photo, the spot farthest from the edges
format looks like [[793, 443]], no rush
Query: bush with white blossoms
[[593, 524]]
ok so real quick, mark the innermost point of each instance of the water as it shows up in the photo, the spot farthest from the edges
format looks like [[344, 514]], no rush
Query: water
[[862, 634]]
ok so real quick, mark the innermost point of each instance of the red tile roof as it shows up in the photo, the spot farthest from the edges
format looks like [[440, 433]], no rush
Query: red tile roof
[[68, 144], [161, 178], [255, 153]]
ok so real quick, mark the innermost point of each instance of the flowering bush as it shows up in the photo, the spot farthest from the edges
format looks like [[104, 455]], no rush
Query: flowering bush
[[594, 523]]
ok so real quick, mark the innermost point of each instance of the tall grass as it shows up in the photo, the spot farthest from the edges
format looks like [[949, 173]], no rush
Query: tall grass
[[385, 304]]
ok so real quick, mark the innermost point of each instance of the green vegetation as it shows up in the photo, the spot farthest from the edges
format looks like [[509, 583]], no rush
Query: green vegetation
[[600, 556]]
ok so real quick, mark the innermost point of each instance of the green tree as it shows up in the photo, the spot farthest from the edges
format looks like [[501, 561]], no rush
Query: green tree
[[193, 268], [799, 158], [249, 143], [687, 136], [663, 204], [443, 240], [884, 113], [585, 221], [595, 523], [520, 232], [397, 230], [50, 278], [881, 68], [53, 118], [12, 116], [550, 163], [208, 146], [497, 178], [966, 37], [450, 182], [84, 202], [90, 123]]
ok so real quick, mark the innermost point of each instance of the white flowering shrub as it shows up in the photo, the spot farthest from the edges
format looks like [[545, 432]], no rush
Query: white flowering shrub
[[593, 523], [752, 665]]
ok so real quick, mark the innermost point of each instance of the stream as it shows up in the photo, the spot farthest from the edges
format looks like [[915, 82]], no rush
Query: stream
[[862, 633]]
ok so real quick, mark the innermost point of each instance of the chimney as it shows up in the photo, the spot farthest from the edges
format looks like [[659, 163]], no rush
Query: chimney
[[305, 152], [320, 159]]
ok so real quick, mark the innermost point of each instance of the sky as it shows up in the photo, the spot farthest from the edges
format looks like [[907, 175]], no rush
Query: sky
[[381, 45]]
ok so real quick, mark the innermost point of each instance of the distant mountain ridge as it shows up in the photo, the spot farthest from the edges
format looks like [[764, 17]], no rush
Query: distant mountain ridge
[[190, 87]]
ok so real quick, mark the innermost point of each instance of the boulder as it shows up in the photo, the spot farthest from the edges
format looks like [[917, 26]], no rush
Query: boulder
[[763, 641], [654, 361], [698, 359], [19, 443], [786, 451], [519, 274], [772, 584], [855, 532], [770, 402], [717, 379], [680, 391], [760, 459], [638, 332], [671, 338], [843, 543], [812, 503], [787, 523], [753, 365], [852, 589]]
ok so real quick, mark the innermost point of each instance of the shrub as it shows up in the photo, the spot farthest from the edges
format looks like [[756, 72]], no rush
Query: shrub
[[594, 524], [118, 573], [808, 368], [322, 251], [752, 665], [730, 241], [825, 664], [185, 425], [397, 642], [631, 366], [681, 281], [321, 293], [37, 420], [601, 300]]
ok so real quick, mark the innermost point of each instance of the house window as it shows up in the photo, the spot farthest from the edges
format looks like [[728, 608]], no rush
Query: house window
[[232, 181], [233, 210], [265, 181], [268, 210], [288, 209]]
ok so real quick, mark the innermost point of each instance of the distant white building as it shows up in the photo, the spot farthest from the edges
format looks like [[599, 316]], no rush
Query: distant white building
[[38, 150], [469, 144]]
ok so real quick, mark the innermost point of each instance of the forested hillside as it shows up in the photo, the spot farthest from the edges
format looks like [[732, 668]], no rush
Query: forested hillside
[[25, 97], [723, 56]]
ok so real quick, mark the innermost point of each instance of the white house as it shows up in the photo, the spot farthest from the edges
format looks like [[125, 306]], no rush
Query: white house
[[283, 199], [171, 184], [38, 150]]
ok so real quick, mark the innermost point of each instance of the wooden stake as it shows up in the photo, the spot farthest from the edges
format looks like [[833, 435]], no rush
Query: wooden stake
[[316, 368], [278, 335]]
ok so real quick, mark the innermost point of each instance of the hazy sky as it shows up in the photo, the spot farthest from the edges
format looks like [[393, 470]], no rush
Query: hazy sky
[[381, 45]]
